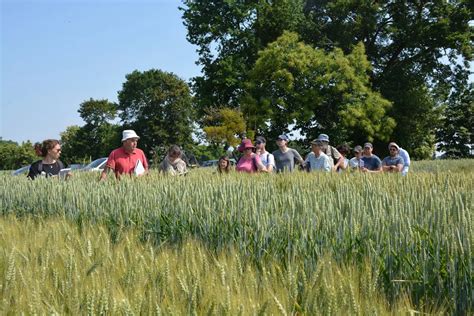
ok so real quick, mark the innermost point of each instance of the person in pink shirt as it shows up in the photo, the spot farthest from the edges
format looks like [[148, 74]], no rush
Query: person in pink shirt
[[127, 159], [249, 162]]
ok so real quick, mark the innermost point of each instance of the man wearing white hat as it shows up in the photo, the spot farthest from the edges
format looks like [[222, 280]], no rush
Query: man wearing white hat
[[127, 159]]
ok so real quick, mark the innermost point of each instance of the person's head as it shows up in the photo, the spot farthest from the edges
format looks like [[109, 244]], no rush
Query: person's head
[[316, 146], [129, 140], [324, 139], [223, 166], [51, 148], [368, 149], [246, 147], [344, 150], [394, 149], [260, 142], [174, 152], [357, 151], [282, 141], [38, 149]]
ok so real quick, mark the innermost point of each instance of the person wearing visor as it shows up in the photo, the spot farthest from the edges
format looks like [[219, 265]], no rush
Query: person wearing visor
[[333, 154], [316, 159], [356, 162], [127, 159], [393, 163], [267, 159], [372, 163], [249, 162], [285, 157]]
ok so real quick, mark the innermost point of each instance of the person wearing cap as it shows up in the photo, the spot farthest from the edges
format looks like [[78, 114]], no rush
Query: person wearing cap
[[285, 157], [372, 163], [173, 164], [331, 152], [316, 159], [127, 159], [356, 162], [393, 163], [249, 162], [268, 160]]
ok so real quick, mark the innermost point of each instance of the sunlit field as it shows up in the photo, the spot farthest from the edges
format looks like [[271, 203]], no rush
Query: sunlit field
[[250, 244]]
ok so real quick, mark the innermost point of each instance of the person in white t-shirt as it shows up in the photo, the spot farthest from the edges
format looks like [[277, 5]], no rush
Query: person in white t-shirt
[[266, 158]]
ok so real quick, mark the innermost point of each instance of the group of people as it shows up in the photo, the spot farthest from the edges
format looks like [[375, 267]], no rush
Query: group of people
[[128, 159], [323, 157]]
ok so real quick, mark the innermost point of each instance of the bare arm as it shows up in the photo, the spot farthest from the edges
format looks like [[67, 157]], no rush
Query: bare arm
[[340, 163], [103, 175]]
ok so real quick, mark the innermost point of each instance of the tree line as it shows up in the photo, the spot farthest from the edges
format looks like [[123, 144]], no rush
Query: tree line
[[356, 70]]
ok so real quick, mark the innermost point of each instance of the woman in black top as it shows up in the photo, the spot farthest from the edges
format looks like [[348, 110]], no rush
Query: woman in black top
[[50, 165]]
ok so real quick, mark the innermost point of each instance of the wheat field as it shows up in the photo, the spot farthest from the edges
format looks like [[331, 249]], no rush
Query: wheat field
[[262, 244]]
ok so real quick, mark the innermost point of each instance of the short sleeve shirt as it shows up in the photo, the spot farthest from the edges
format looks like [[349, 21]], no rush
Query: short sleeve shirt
[[372, 163], [354, 162], [286, 161], [48, 170], [267, 159], [392, 161], [122, 162], [320, 163], [249, 165]]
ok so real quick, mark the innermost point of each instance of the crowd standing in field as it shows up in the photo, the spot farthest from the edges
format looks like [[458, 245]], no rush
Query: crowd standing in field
[[130, 160]]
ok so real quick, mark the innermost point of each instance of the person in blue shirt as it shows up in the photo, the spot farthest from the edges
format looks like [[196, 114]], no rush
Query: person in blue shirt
[[372, 163], [393, 163]]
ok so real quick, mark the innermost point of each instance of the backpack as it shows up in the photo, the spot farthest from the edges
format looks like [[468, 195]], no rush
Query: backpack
[[40, 165]]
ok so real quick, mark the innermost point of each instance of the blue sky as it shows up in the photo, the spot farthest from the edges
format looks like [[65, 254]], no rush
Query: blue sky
[[57, 54]]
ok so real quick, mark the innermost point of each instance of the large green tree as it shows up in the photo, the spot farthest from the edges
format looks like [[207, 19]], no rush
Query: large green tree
[[409, 44], [158, 106], [293, 83], [456, 133], [229, 35], [97, 137]]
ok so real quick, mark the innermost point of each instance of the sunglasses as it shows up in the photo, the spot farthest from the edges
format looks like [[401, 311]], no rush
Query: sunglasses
[[393, 149]]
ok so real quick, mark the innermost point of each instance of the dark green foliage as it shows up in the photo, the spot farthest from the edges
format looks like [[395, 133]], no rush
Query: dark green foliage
[[405, 43], [96, 138], [158, 106], [456, 133], [14, 156]]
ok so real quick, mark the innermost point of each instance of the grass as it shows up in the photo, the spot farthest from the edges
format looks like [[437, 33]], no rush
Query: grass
[[63, 270], [415, 233]]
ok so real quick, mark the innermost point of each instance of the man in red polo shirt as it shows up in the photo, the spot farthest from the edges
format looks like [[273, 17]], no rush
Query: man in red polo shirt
[[127, 159]]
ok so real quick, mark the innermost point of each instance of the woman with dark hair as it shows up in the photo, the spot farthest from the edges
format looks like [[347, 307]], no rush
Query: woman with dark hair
[[173, 164], [223, 165], [50, 165]]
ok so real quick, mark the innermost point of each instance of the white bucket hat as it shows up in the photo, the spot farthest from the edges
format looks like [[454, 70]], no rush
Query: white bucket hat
[[129, 133]]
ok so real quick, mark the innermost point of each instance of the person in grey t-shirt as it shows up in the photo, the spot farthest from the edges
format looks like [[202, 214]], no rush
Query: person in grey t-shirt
[[285, 157]]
